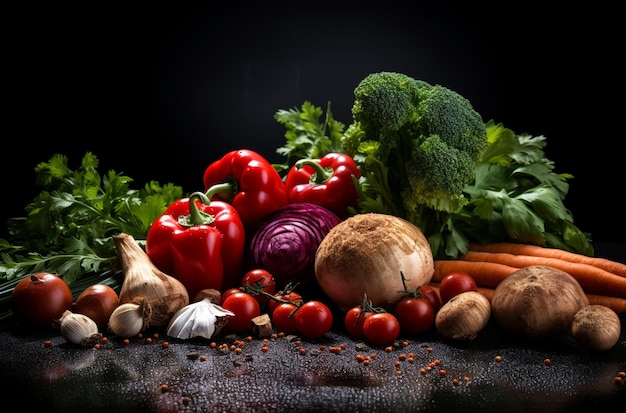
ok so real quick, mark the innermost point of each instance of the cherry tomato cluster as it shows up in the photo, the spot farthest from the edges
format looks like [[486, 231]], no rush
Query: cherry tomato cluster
[[287, 309], [413, 314]]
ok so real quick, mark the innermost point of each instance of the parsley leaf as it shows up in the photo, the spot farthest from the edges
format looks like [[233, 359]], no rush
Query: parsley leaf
[[69, 225]]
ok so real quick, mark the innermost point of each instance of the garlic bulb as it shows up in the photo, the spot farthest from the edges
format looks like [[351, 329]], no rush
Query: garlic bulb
[[79, 329], [129, 319], [164, 293], [203, 318]]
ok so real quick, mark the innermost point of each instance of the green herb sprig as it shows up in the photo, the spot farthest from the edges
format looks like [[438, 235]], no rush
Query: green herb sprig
[[69, 225]]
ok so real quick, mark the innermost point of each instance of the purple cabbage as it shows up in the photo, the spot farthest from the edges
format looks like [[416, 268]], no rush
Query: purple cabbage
[[284, 242]]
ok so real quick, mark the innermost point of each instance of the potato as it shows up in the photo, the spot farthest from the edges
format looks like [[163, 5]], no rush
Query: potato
[[537, 301]]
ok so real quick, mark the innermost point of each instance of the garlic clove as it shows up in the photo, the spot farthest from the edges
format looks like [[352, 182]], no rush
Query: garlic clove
[[79, 329], [200, 319], [129, 319]]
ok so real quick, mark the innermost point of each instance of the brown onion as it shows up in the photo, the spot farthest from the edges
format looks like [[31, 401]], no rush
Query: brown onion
[[97, 302], [367, 254], [596, 327]]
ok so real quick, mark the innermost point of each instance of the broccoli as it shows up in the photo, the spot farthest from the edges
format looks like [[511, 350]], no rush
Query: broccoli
[[427, 135], [417, 145]]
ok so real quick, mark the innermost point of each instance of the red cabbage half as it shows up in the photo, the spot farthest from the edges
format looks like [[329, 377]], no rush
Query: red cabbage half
[[285, 241]]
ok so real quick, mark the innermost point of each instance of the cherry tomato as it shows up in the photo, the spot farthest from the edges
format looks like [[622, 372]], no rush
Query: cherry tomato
[[291, 296], [415, 314], [260, 278], [41, 299], [245, 307], [354, 320], [431, 295], [97, 302], [283, 318], [381, 328], [228, 292], [455, 283], [313, 319]]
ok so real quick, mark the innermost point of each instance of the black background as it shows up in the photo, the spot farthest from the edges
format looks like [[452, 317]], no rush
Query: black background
[[161, 90]]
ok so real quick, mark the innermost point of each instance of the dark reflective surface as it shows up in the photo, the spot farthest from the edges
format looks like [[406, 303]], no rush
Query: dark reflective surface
[[128, 378]]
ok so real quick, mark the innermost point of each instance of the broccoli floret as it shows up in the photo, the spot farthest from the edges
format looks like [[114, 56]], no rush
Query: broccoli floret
[[446, 113], [385, 101], [437, 175], [429, 138]]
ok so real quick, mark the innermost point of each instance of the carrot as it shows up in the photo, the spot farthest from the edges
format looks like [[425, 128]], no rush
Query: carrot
[[535, 250], [592, 279], [487, 292], [617, 304], [486, 274]]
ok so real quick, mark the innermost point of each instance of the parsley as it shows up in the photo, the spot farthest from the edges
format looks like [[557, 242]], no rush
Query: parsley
[[68, 227], [306, 136]]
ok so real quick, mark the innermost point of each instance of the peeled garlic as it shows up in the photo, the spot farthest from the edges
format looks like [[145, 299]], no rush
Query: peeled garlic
[[203, 318], [129, 319], [79, 329]]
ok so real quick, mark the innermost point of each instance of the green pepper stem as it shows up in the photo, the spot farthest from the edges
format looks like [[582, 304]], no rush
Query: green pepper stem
[[227, 187], [320, 175], [196, 216]]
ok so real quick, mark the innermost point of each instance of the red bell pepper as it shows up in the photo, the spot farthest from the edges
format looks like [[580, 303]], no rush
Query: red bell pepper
[[328, 182], [200, 243], [251, 185]]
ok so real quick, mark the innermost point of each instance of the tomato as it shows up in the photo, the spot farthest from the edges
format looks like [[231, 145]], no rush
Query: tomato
[[41, 299], [381, 328], [283, 318], [97, 302], [262, 279], [245, 307], [313, 319], [291, 296], [431, 295], [415, 314], [228, 292], [354, 320], [455, 283]]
